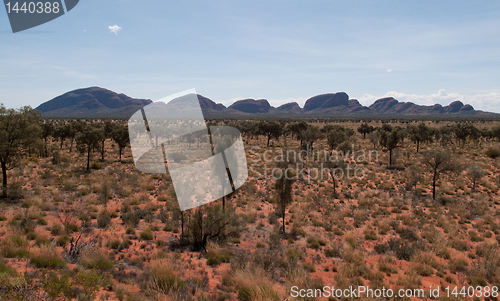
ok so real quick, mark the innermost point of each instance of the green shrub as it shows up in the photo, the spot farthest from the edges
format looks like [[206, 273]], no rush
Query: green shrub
[[403, 249], [46, 257], [493, 152], [62, 240], [146, 235], [104, 220], [163, 279], [72, 228], [14, 246], [216, 254], [115, 244], [56, 229], [332, 253], [459, 245], [457, 265]]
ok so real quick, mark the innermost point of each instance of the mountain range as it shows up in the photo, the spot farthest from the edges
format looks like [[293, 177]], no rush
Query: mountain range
[[95, 102]]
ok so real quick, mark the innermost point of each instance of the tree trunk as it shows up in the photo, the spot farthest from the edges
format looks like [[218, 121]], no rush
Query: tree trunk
[[88, 158], [120, 156], [418, 145], [334, 184], [4, 180], [390, 157], [283, 203], [434, 178], [268, 139], [182, 225], [364, 135], [102, 150], [62, 140]]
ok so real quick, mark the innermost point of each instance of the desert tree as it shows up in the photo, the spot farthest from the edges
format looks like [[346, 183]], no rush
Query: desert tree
[[390, 140], [462, 131], [61, 132], [47, 131], [212, 223], [107, 129], [495, 132], [295, 129], [475, 173], [364, 129], [18, 129], [336, 170], [419, 134], [311, 135], [374, 138], [76, 127], [335, 137], [121, 137], [439, 161], [270, 129], [414, 176], [88, 140], [283, 186]]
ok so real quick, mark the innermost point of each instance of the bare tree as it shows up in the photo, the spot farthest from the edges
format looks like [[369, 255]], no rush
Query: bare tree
[[390, 140], [439, 161], [283, 187], [475, 172]]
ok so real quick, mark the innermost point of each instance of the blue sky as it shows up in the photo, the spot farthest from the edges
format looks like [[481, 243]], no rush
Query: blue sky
[[425, 52]]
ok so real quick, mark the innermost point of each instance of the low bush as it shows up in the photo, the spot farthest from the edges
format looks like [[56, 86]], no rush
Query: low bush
[[46, 257], [216, 254], [493, 152], [163, 278], [14, 246], [146, 235]]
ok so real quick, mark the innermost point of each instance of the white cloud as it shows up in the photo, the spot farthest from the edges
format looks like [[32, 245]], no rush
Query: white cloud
[[114, 29], [486, 102]]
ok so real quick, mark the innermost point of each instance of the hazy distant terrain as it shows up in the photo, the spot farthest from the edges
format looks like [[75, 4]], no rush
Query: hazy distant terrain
[[98, 102]]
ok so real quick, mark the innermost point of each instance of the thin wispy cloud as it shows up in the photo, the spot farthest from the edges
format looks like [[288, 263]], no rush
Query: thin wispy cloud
[[114, 29]]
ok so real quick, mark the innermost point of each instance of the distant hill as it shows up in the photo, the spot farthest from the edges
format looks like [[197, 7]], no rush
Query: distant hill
[[93, 102], [98, 102]]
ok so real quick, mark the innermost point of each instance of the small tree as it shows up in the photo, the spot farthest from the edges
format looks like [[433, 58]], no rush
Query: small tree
[[88, 140], [374, 138], [283, 187], [495, 132], [335, 167], [420, 134], [295, 129], [475, 173], [106, 133], [390, 140], [414, 176], [47, 131], [335, 138], [439, 160], [211, 222], [310, 135], [364, 129], [270, 129], [121, 137], [462, 131], [18, 129]]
